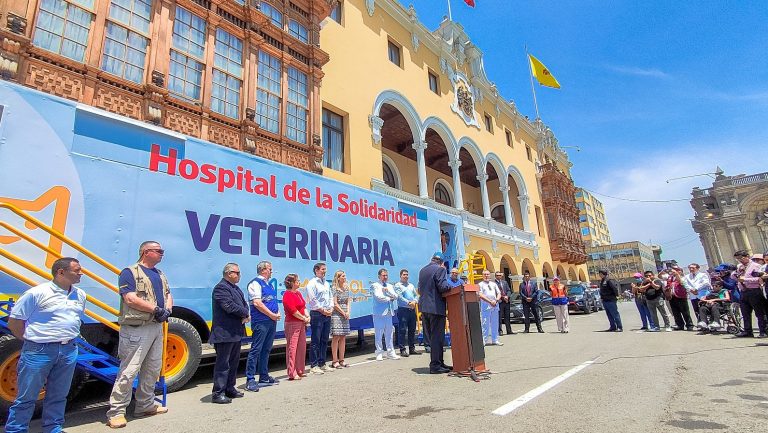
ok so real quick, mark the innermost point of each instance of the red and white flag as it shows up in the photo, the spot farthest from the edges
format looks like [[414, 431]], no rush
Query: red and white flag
[[470, 2]]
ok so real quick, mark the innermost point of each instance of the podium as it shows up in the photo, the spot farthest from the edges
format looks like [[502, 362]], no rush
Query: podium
[[467, 345]]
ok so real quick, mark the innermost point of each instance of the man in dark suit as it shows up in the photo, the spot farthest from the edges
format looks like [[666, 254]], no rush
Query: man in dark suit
[[506, 296], [432, 285], [529, 294], [230, 314]]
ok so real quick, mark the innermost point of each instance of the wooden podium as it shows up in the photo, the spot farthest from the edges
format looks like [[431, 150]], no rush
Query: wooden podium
[[467, 345]]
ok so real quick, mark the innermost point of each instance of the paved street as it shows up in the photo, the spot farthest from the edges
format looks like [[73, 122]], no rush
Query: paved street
[[639, 382]]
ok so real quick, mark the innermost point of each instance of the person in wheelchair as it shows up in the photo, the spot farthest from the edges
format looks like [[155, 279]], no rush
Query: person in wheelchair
[[711, 306]]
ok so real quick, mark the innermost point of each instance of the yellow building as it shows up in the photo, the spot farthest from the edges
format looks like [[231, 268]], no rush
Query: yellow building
[[592, 221], [621, 260], [411, 113]]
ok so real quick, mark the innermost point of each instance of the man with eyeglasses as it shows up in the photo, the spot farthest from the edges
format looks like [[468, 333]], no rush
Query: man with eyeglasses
[[230, 314], [747, 276], [145, 303]]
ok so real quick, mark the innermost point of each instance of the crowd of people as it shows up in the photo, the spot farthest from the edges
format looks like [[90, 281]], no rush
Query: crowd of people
[[47, 319], [712, 296]]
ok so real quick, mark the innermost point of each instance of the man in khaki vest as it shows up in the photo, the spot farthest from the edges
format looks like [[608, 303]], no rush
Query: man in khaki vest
[[145, 304]]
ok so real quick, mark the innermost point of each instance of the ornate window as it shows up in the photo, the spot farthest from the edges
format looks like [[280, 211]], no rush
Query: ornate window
[[298, 106], [275, 16], [227, 72], [497, 214], [187, 55], [442, 195], [62, 27], [268, 92], [389, 175], [125, 40], [298, 31]]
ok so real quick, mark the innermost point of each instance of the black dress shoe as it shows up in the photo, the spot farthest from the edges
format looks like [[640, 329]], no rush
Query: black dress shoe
[[744, 334], [447, 367], [440, 370], [541, 331], [221, 399], [413, 351], [234, 394], [404, 353], [526, 332]]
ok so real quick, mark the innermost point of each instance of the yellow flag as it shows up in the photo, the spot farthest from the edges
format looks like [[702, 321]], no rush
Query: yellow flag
[[542, 74]]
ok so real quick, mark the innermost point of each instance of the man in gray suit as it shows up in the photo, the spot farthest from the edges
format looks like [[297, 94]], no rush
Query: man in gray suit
[[432, 285]]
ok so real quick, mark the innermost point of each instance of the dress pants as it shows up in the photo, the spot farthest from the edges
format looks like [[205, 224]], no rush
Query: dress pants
[[435, 324], [707, 310], [529, 308], [295, 348], [382, 327], [504, 317], [225, 369], [752, 300], [320, 326], [614, 318], [681, 312], [406, 328]]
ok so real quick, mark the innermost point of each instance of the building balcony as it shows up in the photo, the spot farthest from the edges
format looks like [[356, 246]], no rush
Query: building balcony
[[472, 224]]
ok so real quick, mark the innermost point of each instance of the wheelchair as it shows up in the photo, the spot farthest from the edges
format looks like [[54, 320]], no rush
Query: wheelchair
[[730, 319]]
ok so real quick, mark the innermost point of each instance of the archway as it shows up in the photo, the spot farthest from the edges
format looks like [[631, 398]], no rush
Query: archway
[[518, 197], [507, 266], [496, 186], [488, 263], [572, 273], [546, 270], [582, 276], [528, 266], [397, 138], [560, 271], [471, 165], [438, 157]]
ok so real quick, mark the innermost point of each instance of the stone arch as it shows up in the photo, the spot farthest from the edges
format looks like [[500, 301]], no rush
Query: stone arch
[[528, 266], [474, 151], [488, 261], [546, 270], [447, 187], [572, 273], [560, 271], [495, 161], [517, 175], [401, 103], [582, 276], [436, 124], [510, 264]]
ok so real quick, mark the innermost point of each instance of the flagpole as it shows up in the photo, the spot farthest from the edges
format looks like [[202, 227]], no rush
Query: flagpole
[[533, 88], [450, 18]]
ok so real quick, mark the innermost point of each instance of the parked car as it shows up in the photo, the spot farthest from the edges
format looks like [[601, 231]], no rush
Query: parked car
[[545, 307], [580, 298], [596, 294]]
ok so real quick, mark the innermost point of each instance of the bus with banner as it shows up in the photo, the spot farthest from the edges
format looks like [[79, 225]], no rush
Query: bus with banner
[[82, 182]]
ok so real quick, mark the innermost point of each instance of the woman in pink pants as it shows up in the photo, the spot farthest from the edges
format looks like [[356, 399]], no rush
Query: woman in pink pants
[[296, 320]]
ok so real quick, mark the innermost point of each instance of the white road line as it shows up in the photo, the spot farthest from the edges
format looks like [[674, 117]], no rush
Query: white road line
[[362, 362], [530, 395]]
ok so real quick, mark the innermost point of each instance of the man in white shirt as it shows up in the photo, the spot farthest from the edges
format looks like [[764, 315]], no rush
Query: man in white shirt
[[490, 295], [320, 304], [384, 307], [47, 319], [697, 284]]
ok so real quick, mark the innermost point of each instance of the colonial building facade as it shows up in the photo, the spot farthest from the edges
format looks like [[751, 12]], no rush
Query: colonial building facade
[[410, 112], [241, 73], [731, 215]]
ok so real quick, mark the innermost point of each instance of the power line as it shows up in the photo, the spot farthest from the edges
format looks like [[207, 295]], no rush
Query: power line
[[636, 200]]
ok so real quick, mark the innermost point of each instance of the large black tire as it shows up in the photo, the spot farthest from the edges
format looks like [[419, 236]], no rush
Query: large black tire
[[183, 353]]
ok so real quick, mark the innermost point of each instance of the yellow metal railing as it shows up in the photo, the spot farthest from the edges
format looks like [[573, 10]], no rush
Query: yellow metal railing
[[473, 265], [45, 275]]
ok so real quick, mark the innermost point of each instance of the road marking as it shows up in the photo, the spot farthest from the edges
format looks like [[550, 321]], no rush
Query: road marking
[[362, 362], [530, 395]]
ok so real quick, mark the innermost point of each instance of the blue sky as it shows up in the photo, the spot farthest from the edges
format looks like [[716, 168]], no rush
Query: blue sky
[[651, 90]]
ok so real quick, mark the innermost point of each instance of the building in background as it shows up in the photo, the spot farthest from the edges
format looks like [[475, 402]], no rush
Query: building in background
[[593, 224], [731, 215], [243, 74], [410, 112], [657, 256], [622, 260]]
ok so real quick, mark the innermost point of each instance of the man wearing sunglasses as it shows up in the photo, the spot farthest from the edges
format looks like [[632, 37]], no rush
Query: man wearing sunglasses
[[145, 303]]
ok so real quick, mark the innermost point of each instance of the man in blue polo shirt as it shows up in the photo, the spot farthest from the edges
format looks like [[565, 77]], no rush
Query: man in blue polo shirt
[[47, 319], [265, 314]]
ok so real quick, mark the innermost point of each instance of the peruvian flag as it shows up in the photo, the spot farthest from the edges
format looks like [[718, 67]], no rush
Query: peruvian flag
[[470, 2]]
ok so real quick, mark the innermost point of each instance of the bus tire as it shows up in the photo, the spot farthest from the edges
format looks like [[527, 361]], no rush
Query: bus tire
[[183, 352], [10, 350]]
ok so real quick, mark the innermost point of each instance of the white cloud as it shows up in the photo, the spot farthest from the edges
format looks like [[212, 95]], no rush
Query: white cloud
[[760, 96], [638, 71], [644, 178]]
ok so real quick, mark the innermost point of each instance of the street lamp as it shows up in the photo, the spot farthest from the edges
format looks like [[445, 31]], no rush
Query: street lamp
[[714, 235]]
